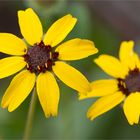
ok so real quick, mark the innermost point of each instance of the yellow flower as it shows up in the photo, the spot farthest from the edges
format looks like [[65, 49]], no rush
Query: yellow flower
[[125, 87], [37, 55]]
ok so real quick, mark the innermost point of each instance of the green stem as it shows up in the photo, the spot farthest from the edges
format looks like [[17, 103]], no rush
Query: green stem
[[29, 121]]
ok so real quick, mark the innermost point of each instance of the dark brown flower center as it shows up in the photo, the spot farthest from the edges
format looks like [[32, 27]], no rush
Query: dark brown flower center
[[131, 83], [40, 58]]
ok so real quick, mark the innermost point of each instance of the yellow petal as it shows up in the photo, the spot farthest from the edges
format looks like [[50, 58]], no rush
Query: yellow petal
[[30, 26], [11, 65], [48, 93], [101, 88], [76, 49], [18, 90], [105, 104], [59, 30], [132, 108], [112, 66], [10, 44], [71, 77], [127, 56]]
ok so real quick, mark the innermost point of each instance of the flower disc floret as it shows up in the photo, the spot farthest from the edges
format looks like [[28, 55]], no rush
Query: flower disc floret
[[40, 58], [131, 83]]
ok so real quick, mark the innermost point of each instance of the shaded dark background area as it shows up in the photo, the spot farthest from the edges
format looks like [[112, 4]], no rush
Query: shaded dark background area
[[122, 16], [107, 23]]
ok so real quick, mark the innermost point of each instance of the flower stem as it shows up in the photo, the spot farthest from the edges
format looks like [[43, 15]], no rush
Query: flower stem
[[31, 111]]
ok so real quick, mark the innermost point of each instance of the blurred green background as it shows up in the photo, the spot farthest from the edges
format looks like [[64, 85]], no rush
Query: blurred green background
[[107, 23]]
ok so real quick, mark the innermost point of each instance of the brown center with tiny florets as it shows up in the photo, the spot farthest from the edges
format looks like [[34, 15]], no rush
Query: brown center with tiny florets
[[131, 83], [40, 58]]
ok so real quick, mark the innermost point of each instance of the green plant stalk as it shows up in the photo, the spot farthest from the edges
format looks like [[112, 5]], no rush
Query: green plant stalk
[[29, 122]]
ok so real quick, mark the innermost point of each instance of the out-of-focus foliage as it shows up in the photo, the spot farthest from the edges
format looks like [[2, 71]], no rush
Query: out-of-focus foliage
[[71, 122]]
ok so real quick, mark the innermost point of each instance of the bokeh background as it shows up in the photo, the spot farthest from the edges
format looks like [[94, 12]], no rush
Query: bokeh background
[[107, 23]]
